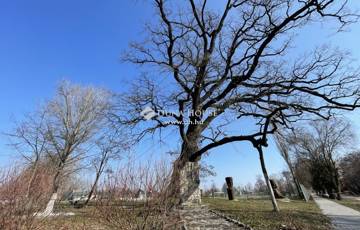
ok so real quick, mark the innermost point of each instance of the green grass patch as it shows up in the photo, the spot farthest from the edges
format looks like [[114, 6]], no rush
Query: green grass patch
[[259, 215]]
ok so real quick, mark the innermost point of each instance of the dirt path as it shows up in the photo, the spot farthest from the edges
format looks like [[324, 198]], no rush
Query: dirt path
[[342, 217]]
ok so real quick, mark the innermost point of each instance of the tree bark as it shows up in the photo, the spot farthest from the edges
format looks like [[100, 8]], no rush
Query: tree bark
[[266, 177]]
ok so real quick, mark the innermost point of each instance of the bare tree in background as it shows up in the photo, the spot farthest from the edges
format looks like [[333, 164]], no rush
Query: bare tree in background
[[260, 186], [320, 144], [109, 146], [350, 172], [217, 70], [284, 149], [28, 139]]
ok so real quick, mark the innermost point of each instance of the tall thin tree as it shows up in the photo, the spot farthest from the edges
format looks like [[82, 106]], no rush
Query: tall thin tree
[[284, 150]]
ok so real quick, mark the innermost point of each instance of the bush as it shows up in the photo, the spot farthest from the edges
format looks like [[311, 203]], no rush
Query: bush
[[136, 197], [17, 208]]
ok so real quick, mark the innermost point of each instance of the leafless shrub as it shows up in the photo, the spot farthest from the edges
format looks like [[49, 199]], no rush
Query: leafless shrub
[[136, 197], [17, 208]]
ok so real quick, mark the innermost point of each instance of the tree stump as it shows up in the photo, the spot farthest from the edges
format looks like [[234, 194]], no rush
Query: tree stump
[[230, 190]]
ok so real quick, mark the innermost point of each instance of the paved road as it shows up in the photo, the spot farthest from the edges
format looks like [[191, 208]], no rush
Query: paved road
[[342, 217]]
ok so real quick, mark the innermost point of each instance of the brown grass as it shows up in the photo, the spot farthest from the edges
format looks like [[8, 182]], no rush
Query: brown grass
[[259, 215], [351, 203]]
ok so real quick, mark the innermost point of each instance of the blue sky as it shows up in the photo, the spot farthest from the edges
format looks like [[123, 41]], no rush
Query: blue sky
[[43, 42]]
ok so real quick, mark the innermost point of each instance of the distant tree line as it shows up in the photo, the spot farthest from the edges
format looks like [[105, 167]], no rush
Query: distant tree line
[[320, 155]]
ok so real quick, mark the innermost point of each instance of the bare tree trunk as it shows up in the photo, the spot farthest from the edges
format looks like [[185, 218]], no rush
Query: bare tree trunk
[[284, 151], [93, 187], [266, 176], [56, 180], [296, 182], [337, 183], [99, 171], [50, 205]]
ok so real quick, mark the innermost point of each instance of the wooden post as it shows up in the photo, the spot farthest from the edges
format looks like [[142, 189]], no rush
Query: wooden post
[[230, 190]]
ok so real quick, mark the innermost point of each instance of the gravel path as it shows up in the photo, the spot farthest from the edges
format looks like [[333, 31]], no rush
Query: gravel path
[[201, 218], [342, 217]]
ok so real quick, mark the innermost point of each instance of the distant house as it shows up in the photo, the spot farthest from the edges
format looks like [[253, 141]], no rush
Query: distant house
[[219, 194]]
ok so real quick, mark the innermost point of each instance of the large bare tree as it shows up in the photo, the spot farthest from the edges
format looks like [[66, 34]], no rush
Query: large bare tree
[[73, 118], [61, 133], [213, 70]]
